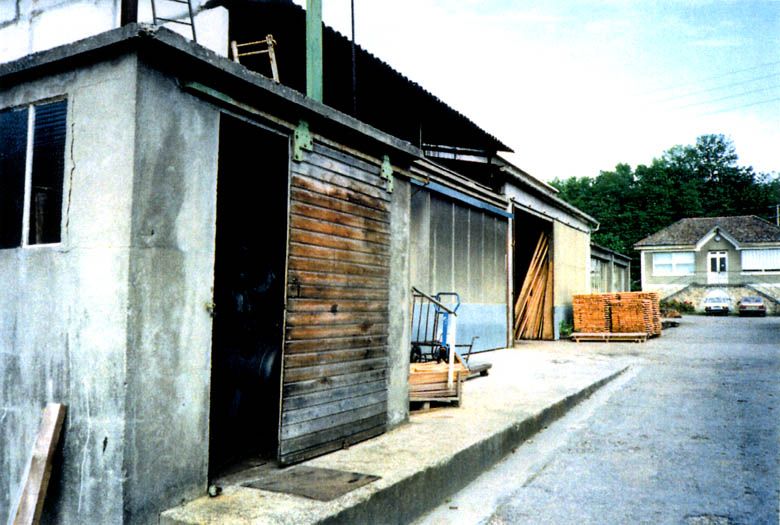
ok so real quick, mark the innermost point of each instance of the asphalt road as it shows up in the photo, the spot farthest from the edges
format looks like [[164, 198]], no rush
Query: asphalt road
[[690, 435]]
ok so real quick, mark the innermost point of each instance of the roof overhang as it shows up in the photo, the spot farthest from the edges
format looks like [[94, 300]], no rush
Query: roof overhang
[[600, 252], [427, 172], [528, 183], [666, 248]]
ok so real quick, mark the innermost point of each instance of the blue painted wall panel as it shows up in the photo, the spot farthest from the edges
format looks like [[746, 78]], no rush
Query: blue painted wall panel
[[488, 321]]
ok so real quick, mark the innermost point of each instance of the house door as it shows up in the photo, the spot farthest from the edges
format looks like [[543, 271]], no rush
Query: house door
[[717, 268]]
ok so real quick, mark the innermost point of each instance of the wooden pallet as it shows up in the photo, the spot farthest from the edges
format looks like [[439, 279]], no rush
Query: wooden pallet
[[428, 381], [632, 337]]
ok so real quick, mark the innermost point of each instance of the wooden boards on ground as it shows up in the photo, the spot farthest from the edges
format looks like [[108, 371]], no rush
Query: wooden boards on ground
[[34, 493], [428, 381], [636, 337]]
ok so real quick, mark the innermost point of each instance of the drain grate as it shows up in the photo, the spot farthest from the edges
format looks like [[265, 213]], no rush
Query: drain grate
[[708, 519], [311, 482]]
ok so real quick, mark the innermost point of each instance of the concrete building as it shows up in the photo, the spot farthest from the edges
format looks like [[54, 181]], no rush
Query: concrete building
[[205, 265]]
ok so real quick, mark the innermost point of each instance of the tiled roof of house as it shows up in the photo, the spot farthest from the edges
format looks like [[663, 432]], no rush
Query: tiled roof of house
[[743, 229]]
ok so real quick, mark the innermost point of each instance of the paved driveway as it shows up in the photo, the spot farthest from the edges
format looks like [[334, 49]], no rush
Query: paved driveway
[[691, 436]]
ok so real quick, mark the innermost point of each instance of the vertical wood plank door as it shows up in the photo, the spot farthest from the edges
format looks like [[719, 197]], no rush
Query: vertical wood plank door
[[334, 382]]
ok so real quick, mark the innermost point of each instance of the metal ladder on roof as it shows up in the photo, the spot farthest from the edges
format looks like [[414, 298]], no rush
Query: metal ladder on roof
[[188, 3]]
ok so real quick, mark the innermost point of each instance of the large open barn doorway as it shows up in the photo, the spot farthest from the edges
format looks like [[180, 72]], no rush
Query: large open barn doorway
[[249, 285], [532, 294]]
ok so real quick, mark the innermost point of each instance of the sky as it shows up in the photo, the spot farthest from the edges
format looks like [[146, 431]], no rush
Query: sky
[[576, 87]]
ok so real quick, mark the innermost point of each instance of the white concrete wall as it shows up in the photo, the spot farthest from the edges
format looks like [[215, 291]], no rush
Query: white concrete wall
[[63, 307], [29, 26], [113, 320], [171, 275], [571, 274]]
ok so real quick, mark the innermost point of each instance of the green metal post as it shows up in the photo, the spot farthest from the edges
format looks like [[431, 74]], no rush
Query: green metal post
[[314, 49]]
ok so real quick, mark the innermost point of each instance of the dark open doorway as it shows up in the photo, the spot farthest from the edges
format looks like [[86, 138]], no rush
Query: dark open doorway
[[532, 279], [249, 278]]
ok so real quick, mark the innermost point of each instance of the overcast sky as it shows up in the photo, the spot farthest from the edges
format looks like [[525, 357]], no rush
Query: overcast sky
[[575, 87]]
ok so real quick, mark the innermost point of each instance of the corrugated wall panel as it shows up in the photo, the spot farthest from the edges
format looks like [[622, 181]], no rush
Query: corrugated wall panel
[[335, 360], [462, 249]]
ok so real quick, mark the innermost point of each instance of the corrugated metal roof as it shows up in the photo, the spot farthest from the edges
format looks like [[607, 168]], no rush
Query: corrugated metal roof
[[386, 99]]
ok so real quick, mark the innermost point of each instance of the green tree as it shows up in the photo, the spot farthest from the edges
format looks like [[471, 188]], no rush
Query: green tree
[[699, 180]]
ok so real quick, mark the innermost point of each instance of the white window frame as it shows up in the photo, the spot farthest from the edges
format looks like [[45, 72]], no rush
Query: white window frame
[[769, 253], [28, 173], [677, 259]]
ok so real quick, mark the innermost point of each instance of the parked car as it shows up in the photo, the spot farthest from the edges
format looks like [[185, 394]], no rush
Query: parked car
[[751, 305], [716, 305]]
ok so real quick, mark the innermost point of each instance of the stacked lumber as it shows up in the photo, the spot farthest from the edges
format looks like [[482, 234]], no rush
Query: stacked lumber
[[617, 313], [592, 313], [533, 309], [631, 316], [655, 300], [428, 381]]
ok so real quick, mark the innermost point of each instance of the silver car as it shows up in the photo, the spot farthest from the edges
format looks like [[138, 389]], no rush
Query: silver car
[[751, 305]]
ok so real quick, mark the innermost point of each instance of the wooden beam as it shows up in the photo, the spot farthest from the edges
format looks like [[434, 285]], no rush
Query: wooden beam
[[549, 326], [34, 493]]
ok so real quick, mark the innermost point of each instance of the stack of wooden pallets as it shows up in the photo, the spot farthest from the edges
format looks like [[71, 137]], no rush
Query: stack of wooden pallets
[[428, 381], [631, 316], [592, 313], [624, 316], [655, 307], [655, 301]]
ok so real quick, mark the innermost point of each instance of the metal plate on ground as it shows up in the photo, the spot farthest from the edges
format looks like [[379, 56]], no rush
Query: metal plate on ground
[[311, 482]]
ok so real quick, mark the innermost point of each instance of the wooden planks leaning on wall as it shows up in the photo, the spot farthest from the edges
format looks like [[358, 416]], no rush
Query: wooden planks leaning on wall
[[334, 387], [534, 305]]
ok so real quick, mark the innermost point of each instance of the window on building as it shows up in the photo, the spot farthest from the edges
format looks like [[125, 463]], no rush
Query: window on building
[[32, 163], [673, 263], [765, 260], [619, 279], [597, 276]]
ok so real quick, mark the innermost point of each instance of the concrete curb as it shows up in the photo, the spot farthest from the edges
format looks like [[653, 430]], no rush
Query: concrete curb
[[410, 498]]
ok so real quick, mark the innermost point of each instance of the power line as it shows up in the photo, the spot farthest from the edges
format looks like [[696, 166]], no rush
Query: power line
[[727, 97], [721, 75], [742, 106], [716, 88]]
